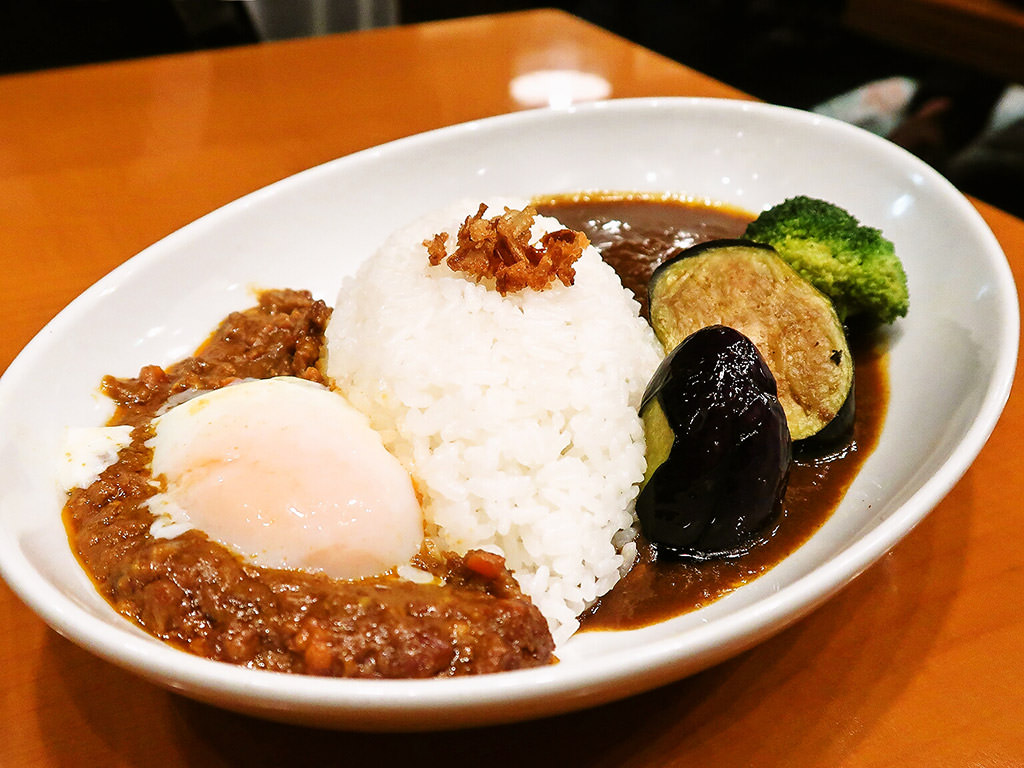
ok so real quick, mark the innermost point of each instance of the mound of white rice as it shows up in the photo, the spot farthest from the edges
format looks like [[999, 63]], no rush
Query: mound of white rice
[[516, 415]]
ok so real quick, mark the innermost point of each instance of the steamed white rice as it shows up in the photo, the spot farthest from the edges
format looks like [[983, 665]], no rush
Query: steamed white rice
[[516, 415]]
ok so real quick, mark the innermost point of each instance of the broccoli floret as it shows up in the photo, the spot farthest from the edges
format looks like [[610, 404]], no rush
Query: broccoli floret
[[855, 266]]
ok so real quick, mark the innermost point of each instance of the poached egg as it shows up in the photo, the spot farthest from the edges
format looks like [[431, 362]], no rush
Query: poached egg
[[287, 474]]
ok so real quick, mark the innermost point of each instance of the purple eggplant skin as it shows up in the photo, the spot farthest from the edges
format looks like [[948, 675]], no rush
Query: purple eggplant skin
[[719, 490]]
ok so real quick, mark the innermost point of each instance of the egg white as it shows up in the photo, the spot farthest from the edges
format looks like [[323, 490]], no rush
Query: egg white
[[283, 471]]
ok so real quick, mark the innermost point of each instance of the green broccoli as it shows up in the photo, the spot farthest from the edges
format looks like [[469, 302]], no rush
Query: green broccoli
[[855, 266]]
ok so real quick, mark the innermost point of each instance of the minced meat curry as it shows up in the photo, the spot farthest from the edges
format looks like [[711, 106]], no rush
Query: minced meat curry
[[198, 595]]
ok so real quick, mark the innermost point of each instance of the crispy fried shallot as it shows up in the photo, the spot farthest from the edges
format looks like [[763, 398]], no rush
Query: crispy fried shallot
[[500, 249]]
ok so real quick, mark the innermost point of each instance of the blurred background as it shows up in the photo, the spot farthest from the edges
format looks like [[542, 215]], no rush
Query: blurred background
[[964, 115]]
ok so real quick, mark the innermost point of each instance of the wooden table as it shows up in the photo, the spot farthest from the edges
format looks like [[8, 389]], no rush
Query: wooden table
[[986, 35], [918, 662]]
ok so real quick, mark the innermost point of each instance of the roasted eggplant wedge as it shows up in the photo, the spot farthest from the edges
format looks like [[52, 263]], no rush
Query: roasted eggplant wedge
[[747, 286], [718, 449]]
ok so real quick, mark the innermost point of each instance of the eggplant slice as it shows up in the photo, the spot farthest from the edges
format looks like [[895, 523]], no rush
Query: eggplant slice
[[748, 287], [718, 449]]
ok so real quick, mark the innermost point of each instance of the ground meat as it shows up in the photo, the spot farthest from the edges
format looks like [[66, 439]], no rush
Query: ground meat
[[198, 595], [281, 336], [499, 249]]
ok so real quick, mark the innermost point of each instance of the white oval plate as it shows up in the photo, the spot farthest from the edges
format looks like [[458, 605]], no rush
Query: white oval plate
[[952, 360]]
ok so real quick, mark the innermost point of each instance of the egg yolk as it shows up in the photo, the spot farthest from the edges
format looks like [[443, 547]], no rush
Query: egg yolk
[[286, 473]]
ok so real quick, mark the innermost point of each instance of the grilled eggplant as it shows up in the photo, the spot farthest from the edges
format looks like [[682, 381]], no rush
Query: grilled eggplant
[[747, 286], [718, 448]]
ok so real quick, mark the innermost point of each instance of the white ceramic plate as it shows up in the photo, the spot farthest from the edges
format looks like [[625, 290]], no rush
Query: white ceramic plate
[[952, 361]]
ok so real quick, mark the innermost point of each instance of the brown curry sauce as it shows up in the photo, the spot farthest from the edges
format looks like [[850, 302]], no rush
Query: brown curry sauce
[[291, 621], [198, 595], [634, 235]]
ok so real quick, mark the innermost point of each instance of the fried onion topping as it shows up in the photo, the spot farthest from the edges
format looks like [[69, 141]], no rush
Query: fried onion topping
[[499, 249]]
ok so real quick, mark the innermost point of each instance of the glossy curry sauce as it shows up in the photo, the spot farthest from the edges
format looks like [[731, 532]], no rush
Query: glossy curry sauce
[[161, 585], [198, 595], [634, 235]]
